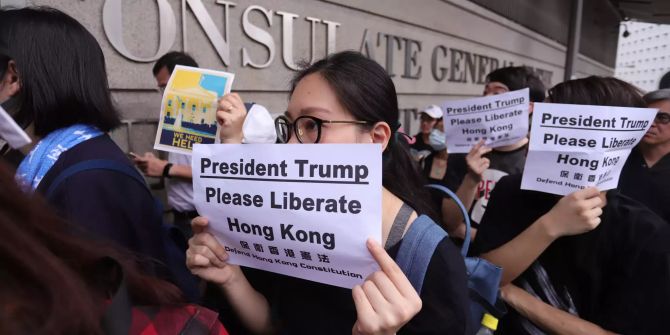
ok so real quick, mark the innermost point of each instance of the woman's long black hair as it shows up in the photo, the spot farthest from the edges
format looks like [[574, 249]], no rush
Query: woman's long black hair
[[61, 69], [364, 88]]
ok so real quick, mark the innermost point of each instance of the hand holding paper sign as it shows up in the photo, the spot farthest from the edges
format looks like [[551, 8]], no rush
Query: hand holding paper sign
[[576, 213], [499, 120], [206, 258], [230, 115], [386, 300], [577, 146], [476, 161], [188, 109], [299, 210]]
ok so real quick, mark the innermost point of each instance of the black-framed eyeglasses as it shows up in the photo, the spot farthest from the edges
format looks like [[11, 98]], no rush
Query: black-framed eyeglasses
[[306, 128], [662, 118]]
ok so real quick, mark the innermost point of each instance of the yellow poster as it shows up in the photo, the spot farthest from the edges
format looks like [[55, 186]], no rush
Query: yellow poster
[[188, 108]]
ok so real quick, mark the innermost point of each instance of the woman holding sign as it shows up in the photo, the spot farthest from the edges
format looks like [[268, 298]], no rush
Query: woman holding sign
[[588, 263], [345, 98]]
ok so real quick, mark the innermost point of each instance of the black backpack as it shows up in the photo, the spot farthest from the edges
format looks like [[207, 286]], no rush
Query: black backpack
[[174, 241]]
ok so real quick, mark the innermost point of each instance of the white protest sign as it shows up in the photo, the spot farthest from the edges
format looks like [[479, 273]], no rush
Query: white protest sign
[[577, 146], [11, 132], [499, 120], [302, 210]]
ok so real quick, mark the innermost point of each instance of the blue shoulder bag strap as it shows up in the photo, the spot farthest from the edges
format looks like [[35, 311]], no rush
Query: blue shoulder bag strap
[[420, 241], [94, 164], [464, 211], [417, 248], [483, 277]]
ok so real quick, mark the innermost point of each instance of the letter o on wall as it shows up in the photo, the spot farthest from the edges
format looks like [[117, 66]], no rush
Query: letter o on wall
[[112, 23]]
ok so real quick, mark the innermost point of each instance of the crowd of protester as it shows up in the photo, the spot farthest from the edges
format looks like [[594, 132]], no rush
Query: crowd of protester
[[85, 244]]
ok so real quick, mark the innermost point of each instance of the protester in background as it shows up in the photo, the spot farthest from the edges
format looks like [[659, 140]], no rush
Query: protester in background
[[474, 175], [177, 168], [55, 282], [434, 166], [429, 117], [646, 175], [587, 263], [355, 91], [62, 92]]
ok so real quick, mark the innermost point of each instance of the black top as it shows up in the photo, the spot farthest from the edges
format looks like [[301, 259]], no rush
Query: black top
[[436, 195], [502, 163], [306, 307], [419, 144], [648, 185], [616, 276], [106, 204], [11, 157]]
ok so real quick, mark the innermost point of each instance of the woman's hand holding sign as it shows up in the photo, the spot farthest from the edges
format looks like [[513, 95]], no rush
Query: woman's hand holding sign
[[386, 300], [206, 258], [576, 213], [467, 191], [230, 115]]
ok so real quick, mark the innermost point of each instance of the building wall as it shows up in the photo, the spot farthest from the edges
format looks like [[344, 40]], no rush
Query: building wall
[[600, 18], [644, 56], [435, 50]]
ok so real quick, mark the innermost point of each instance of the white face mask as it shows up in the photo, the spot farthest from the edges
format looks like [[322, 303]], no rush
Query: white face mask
[[258, 126], [437, 140], [11, 132]]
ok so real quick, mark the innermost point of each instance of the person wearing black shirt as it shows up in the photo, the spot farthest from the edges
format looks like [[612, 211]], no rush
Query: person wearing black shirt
[[53, 95], [646, 175], [616, 276], [587, 263], [474, 175], [429, 117]]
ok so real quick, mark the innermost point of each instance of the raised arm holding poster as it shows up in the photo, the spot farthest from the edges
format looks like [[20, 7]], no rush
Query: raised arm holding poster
[[300, 210], [188, 108], [499, 120], [577, 146]]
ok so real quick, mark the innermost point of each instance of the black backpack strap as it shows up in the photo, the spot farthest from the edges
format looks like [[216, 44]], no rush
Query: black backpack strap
[[417, 248], [398, 227], [118, 316], [95, 164]]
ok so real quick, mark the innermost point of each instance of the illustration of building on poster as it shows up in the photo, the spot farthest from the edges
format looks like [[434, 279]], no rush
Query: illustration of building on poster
[[188, 108], [499, 120], [302, 210], [577, 146]]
